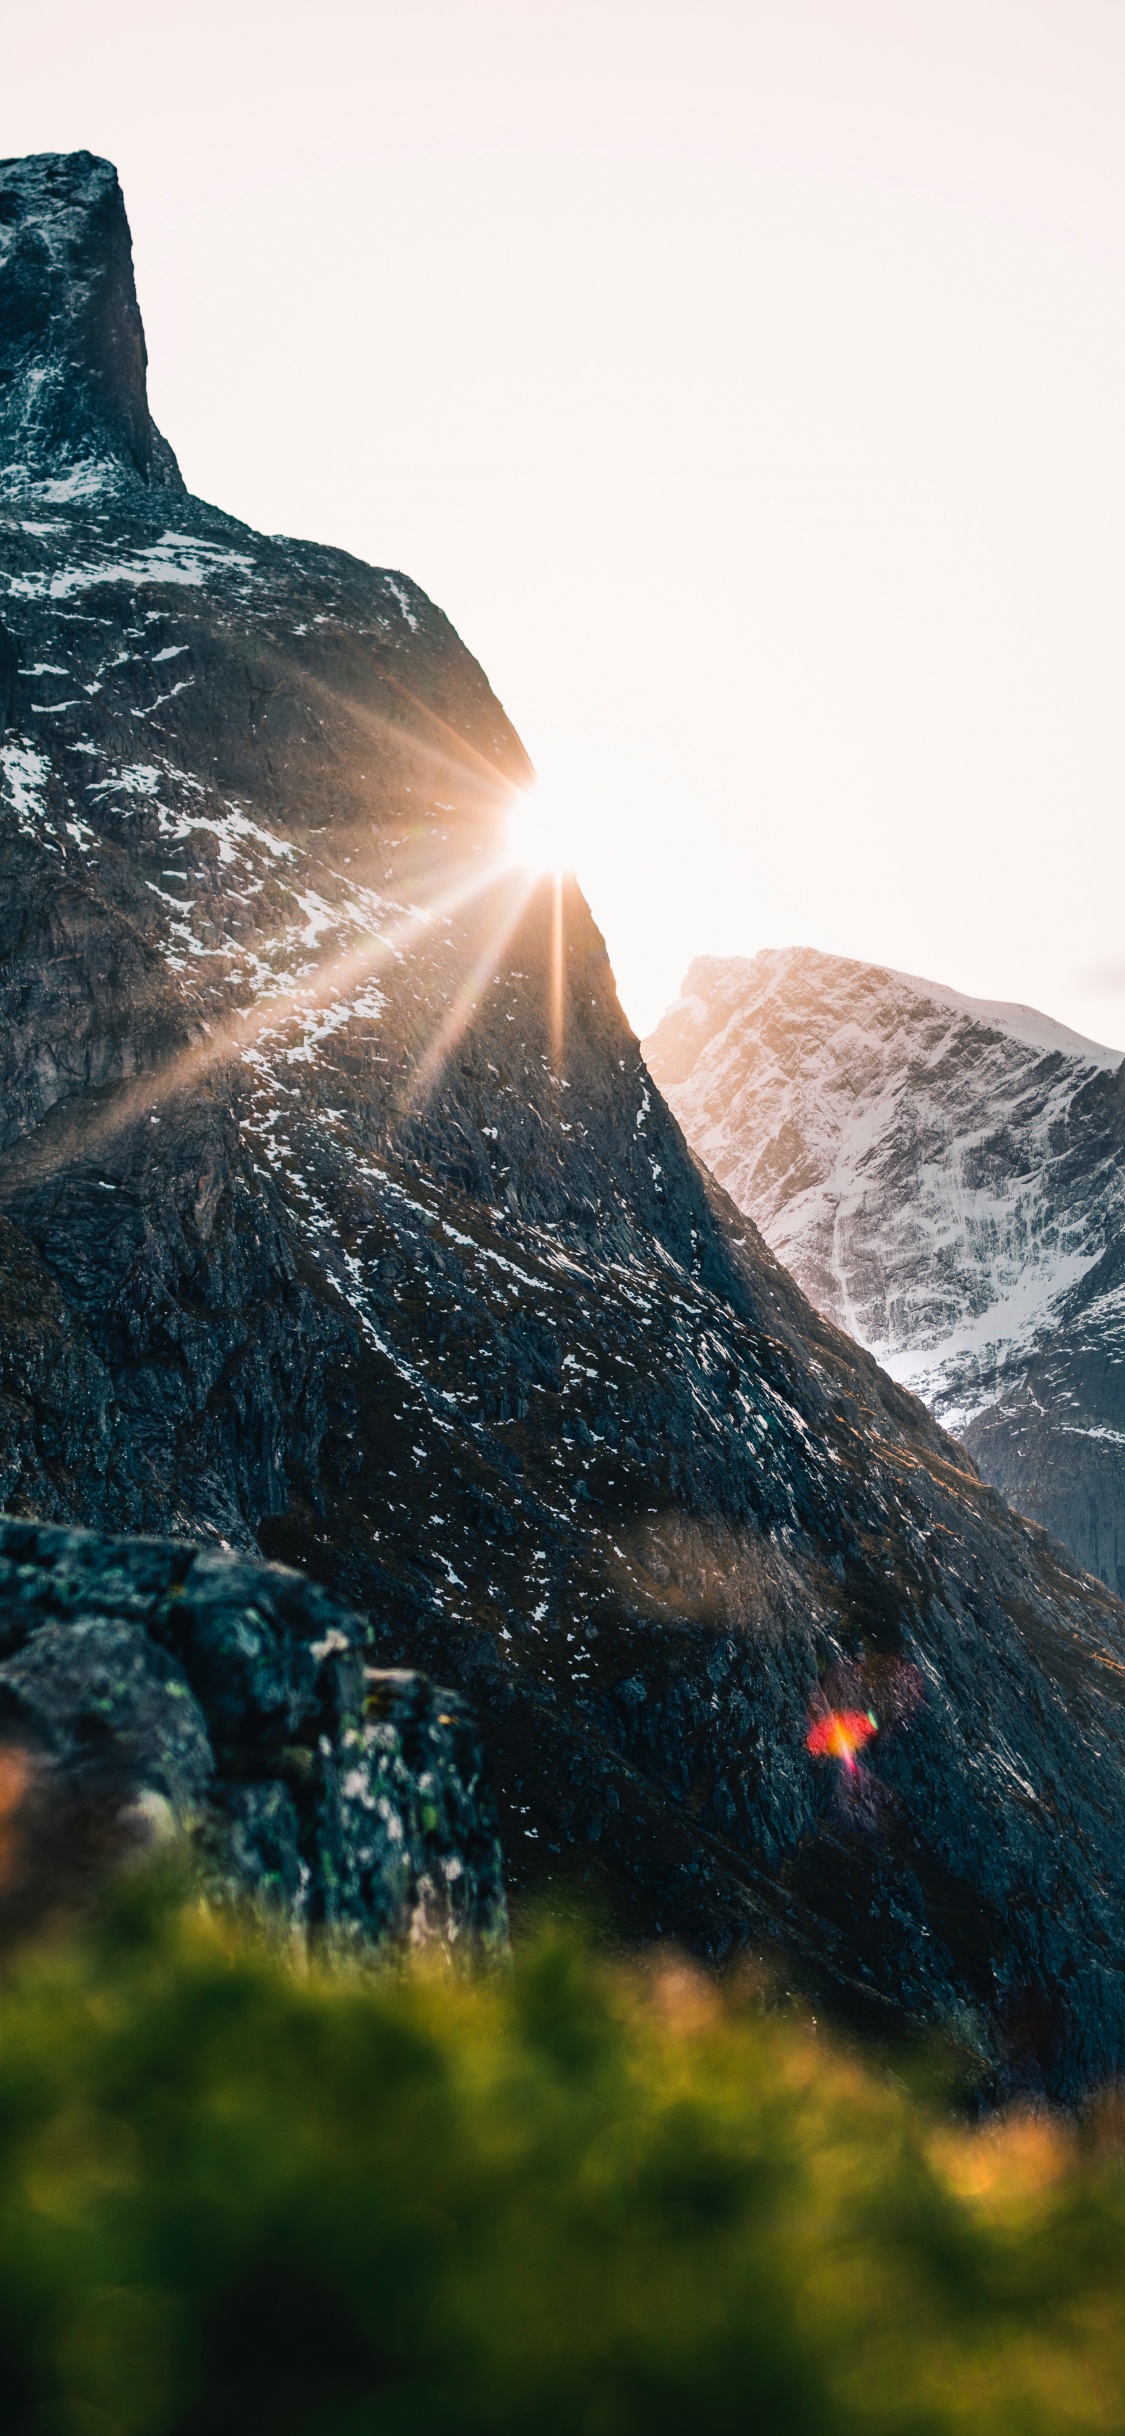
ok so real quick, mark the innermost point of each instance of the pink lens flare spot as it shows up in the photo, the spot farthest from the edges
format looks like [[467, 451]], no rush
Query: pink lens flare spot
[[841, 1734]]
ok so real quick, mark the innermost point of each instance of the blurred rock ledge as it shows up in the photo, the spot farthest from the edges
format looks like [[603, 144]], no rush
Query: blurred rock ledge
[[148, 1687]]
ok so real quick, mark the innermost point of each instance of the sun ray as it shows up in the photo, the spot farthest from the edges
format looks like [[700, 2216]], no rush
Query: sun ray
[[425, 1075], [557, 1008], [446, 753], [460, 754], [245, 1026]]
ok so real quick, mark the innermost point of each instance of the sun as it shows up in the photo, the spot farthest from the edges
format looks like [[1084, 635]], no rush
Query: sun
[[539, 838]]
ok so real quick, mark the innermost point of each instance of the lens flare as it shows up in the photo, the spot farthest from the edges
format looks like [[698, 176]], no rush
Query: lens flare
[[841, 1734], [857, 1699]]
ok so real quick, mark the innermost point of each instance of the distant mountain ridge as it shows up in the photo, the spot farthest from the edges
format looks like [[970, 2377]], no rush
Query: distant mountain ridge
[[944, 1177]]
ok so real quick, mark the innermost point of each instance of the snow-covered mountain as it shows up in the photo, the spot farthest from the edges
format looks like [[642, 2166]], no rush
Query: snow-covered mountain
[[943, 1175]]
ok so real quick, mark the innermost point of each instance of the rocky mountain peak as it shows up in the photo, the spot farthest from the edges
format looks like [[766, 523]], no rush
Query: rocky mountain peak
[[342, 1223], [74, 418]]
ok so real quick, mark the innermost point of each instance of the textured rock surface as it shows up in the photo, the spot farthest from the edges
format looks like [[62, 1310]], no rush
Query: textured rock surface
[[945, 1178], [73, 363], [237, 1694], [341, 1218]]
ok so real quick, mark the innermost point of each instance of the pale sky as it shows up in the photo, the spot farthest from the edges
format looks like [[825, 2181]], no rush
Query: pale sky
[[745, 378]]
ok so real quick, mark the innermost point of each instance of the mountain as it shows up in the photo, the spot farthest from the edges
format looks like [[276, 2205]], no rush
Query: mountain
[[342, 1221], [944, 1177]]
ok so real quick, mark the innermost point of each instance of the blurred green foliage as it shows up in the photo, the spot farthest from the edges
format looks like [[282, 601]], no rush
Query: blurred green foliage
[[238, 2193]]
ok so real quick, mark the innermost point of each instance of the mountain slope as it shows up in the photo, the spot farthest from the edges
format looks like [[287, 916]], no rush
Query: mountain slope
[[341, 1218], [944, 1177]]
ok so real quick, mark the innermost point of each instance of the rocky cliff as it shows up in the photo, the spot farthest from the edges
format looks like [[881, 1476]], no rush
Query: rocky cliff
[[945, 1178], [148, 1686], [342, 1220]]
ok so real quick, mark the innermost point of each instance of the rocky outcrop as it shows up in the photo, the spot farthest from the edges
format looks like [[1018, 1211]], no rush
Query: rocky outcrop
[[343, 1222], [232, 1701], [73, 362], [945, 1179]]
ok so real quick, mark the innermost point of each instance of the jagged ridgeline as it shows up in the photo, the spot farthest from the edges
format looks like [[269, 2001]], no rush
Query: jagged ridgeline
[[944, 1177], [342, 1221]]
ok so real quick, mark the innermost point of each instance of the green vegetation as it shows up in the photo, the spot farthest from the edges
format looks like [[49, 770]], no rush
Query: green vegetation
[[236, 2195]]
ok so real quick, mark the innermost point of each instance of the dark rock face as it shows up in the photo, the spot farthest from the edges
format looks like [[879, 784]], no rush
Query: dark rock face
[[342, 1220], [945, 1178], [73, 395], [236, 1696]]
